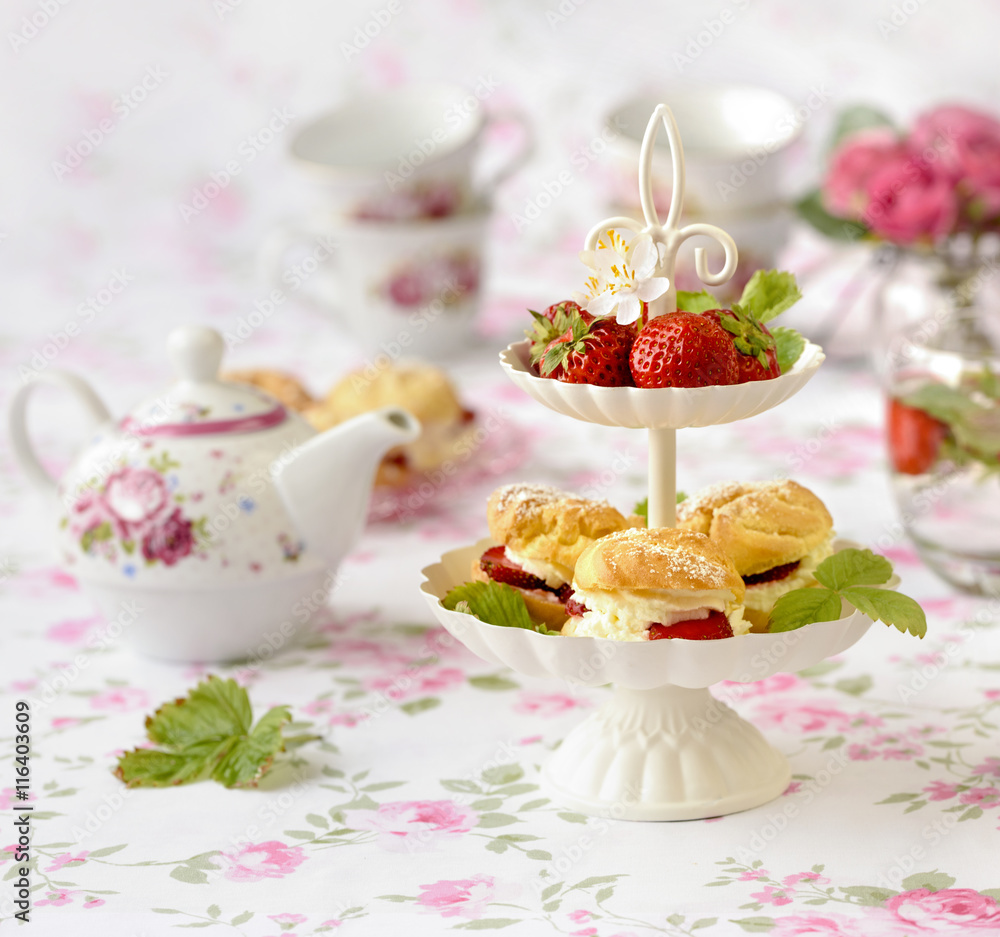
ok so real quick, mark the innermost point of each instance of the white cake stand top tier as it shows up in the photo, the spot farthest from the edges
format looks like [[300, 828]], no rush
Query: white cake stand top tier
[[661, 407]]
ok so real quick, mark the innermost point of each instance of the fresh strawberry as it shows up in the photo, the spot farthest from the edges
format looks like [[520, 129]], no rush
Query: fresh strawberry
[[552, 323], [574, 608], [694, 629], [915, 438], [595, 352], [495, 564], [757, 351], [683, 349]]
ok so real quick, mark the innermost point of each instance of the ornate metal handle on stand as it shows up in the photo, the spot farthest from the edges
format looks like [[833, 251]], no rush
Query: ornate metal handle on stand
[[668, 237]]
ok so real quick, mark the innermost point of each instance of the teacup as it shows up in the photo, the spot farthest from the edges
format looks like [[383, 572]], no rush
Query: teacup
[[407, 153], [737, 147], [400, 288], [738, 150]]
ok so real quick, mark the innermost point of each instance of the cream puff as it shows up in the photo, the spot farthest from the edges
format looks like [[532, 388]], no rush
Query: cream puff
[[776, 533], [649, 584], [447, 427], [279, 384], [541, 532]]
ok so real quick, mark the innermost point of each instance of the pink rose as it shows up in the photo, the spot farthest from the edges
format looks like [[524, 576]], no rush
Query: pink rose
[[263, 860], [967, 143], [169, 541], [93, 903], [580, 917], [288, 918], [136, 497], [962, 908], [853, 163], [910, 200], [467, 898], [413, 825]]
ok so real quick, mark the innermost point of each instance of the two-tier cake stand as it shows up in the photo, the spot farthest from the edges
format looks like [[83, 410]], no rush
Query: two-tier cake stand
[[662, 747]]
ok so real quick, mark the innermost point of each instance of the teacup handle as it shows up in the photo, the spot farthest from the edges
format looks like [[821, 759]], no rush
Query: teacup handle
[[519, 157], [276, 247], [24, 450]]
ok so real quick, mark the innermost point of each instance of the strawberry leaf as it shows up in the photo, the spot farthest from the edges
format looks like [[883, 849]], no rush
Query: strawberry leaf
[[769, 293], [696, 302], [207, 734], [893, 608], [496, 603], [802, 607], [853, 567], [790, 345]]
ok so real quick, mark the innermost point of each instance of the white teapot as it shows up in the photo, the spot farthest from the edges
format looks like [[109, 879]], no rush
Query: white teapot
[[211, 515]]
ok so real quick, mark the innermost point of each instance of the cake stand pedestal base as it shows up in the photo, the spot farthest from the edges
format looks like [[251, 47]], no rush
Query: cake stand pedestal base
[[665, 754]]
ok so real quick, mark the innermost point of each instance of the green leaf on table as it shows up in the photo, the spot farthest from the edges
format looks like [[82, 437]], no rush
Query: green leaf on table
[[769, 293], [812, 211], [790, 345], [697, 302], [496, 603], [853, 567], [803, 607], [859, 117], [207, 734], [893, 608]]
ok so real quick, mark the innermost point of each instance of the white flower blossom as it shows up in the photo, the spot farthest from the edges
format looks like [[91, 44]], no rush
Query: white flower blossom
[[622, 276]]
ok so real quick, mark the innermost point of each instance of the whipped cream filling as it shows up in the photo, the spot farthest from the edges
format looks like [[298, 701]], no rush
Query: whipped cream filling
[[626, 616], [554, 574], [761, 597]]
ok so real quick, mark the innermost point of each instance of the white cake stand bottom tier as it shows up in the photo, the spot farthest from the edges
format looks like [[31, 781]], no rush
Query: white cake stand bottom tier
[[662, 747], [665, 754]]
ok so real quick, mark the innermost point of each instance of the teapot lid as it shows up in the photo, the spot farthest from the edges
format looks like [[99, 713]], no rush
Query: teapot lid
[[199, 404]]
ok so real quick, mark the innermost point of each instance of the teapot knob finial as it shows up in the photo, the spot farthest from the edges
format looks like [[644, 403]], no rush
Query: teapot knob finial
[[196, 352]]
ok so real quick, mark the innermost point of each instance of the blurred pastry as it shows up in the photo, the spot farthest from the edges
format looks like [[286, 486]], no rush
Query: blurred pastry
[[542, 531], [426, 392], [279, 384], [650, 584], [776, 533]]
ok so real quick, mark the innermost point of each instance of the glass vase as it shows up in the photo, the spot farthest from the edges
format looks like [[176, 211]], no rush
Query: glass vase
[[941, 371]]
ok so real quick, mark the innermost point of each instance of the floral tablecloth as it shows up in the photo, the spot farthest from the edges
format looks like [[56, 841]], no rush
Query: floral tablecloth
[[421, 810]]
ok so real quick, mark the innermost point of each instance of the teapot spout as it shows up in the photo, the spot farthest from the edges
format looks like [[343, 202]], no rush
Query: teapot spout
[[327, 485]]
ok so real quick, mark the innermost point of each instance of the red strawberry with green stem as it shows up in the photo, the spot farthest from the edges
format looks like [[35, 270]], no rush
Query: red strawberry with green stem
[[915, 438], [595, 352], [757, 351], [683, 349], [552, 323]]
